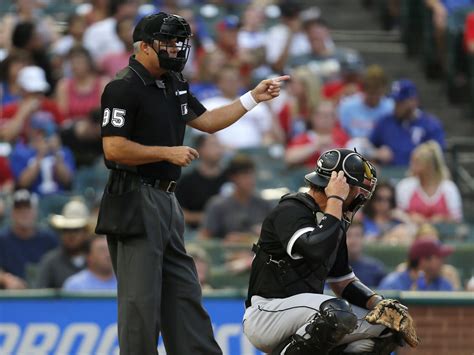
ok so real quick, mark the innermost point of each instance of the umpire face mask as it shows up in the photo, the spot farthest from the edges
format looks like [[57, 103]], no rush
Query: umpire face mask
[[172, 42]]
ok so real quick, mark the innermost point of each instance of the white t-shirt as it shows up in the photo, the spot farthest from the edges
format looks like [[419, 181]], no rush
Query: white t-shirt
[[101, 39], [248, 131], [276, 40], [445, 202]]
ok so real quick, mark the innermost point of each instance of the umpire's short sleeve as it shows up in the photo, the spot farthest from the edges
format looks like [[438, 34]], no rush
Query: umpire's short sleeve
[[119, 108], [195, 105]]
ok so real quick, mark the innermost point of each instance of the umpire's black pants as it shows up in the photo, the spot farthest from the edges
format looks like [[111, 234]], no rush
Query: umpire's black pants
[[158, 288]]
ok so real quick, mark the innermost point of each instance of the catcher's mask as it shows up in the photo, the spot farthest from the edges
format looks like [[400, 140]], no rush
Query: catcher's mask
[[357, 170], [172, 33]]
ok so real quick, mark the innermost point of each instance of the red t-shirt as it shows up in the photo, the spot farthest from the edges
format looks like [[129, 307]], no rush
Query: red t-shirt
[[5, 172], [339, 139], [47, 107], [469, 29]]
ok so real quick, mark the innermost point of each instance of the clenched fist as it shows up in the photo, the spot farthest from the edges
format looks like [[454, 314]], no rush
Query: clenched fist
[[182, 155]]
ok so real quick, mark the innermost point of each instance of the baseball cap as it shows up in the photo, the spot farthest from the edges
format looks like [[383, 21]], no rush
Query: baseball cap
[[43, 123], [424, 248], [24, 198], [32, 79], [228, 23], [75, 214], [148, 26], [403, 89]]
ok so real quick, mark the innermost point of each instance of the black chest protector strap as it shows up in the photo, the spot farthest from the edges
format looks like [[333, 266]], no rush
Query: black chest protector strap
[[295, 276]]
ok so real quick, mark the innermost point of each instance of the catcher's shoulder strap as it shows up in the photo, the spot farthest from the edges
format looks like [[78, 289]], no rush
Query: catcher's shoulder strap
[[303, 198]]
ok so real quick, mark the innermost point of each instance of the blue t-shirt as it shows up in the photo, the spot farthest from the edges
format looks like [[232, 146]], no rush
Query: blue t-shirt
[[358, 119], [6, 97], [452, 5], [402, 281], [23, 155], [16, 253], [369, 270], [85, 280], [402, 137]]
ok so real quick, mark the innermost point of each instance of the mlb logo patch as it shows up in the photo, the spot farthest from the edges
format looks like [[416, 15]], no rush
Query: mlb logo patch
[[184, 109]]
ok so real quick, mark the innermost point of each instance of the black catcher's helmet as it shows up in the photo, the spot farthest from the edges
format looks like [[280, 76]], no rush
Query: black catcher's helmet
[[357, 170], [165, 28]]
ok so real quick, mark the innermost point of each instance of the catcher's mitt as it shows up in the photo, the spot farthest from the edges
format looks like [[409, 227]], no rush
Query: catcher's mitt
[[394, 315]]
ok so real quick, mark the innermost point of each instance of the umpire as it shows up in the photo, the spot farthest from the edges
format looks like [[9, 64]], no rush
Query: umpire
[[145, 112]]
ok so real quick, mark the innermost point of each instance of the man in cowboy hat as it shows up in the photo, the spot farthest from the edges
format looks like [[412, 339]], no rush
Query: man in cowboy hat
[[69, 258]]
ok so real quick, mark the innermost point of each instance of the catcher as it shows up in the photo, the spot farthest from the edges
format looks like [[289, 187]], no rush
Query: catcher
[[302, 245]]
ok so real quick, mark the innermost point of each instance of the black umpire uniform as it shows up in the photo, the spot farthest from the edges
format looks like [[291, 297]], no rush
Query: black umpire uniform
[[158, 287]]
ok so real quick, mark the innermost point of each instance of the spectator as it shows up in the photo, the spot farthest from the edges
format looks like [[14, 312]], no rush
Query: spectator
[[26, 37], [7, 183], [78, 95], [101, 38], [350, 81], [359, 113], [396, 135], [286, 38], [68, 258], [254, 128], [240, 215], [470, 284], [42, 165], [202, 261], [29, 11], [251, 36], [469, 33], [441, 9], [112, 63], [303, 99], [324, 60], [99, 274], [15, 118], [203, 182], [83, 138], [425, 261], [9, 68], [76, 26], [23, 243], [368, 270], [97, 12], [429, 195], [325, 134], [226, 41], [204, 83], [381, 216]]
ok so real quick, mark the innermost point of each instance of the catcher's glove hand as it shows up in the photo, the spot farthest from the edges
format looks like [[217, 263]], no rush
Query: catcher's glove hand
[[394, 315]]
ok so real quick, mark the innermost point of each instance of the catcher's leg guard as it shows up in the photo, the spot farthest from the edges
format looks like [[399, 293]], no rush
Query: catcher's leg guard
[[334, 320], [381, 346]]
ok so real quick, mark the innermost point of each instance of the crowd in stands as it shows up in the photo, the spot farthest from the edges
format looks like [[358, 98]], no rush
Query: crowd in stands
[[51, 78]]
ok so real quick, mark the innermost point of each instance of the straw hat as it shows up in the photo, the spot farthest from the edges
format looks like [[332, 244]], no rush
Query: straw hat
[[75, 214]]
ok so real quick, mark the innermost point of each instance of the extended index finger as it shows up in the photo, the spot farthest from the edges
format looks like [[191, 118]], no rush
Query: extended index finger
[[281, 78]]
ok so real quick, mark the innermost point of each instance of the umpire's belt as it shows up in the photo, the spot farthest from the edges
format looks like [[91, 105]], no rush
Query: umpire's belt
[[165, 185], [123, 181]]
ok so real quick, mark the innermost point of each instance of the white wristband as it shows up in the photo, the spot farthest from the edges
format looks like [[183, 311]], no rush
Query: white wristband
[[247, 100]]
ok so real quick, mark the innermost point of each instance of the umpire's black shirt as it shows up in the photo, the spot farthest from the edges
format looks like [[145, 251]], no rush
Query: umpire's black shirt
[[150, 112]]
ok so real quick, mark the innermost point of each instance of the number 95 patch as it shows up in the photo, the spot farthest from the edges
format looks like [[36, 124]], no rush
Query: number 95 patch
[[117, 119]]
